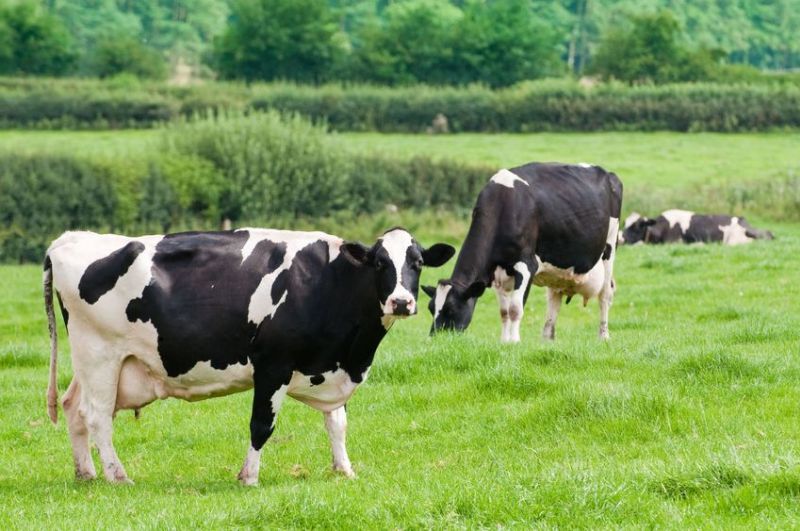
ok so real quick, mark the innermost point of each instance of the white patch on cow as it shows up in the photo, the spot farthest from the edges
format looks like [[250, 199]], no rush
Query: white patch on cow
[[734, 234], [248, 475], [683, 218], [256, 235], [261, 303], [585, 165], [396, 243], [567, 282], [203, 381], [331, 394], [613, 229], [336, 425], [441, 296], [507, 178], [631, 219]]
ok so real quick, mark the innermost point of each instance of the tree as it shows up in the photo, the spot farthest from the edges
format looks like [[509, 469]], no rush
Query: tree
[[119, 55], [411, 43], [502, 42], [649, 50], [277, 39], [33, 42]]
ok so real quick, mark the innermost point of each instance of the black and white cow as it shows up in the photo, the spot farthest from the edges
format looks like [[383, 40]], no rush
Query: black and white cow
[[687, 227], [552, 225], [204, 314]]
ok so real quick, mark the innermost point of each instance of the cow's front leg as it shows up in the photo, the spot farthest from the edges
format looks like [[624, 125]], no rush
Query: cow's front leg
[[522, 277], [504, 302], [268, 395], [336, 424]]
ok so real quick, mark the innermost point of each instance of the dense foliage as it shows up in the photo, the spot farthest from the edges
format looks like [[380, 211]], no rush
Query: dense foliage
[[261, 168], [650, 51], [33, 42], [495, 42], [530, 106]]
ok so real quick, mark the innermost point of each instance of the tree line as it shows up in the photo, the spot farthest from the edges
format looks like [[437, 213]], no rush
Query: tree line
[[457, 42]]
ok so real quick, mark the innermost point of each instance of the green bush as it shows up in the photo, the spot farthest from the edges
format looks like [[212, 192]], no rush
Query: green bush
[[548, 105], [260, 169]]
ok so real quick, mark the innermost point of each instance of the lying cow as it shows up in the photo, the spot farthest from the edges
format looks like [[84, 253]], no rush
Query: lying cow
[[687, 227], [553, 225], [205, 314]]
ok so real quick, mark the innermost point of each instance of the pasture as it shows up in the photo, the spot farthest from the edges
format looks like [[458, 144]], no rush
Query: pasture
[[687, 418], [662, 159]]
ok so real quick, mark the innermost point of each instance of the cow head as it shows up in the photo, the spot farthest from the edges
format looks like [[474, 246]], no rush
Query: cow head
[[452, 305], [636, 229], [397, 260]]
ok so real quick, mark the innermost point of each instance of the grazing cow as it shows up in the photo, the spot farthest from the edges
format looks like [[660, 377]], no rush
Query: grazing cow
[[687, 227], [554, 225], [202, 314]]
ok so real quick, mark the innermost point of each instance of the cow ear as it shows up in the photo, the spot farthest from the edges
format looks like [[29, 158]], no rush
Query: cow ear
[[355, 253], [437, 254], [430, 291], [475, 289]]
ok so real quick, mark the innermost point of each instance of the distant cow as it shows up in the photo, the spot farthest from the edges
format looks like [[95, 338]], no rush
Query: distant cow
[[552, 225], [687, 227], [203, 314]]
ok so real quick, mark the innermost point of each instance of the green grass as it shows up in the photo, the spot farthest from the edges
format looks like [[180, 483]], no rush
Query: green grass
[[132, 142], [687, 418], [653, 159]]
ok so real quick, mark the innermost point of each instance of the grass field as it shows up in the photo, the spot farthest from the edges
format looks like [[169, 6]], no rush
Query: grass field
[[651, 159], [688, 417]]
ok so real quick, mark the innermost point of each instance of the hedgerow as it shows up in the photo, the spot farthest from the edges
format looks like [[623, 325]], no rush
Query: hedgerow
[[548, 105]]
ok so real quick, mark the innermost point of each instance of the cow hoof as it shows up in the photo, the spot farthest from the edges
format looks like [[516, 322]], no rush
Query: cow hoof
[[122, 481], [605, 336], [346, 471], [81, 475], [248, 481]]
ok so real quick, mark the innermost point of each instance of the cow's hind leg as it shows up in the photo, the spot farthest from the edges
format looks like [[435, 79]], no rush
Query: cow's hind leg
[[553, 307], [268, 394], [98, 401], [336, 424], [606, 296], [78, 432]]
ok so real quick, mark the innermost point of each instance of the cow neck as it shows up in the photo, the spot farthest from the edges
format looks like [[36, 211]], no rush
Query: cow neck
[[474, 259], [369, 330]]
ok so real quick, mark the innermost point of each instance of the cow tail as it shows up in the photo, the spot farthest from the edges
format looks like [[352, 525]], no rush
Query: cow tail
[[52, 387]]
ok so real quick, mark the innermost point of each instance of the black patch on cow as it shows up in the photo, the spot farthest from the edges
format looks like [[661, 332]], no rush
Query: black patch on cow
[[317, 379], [101, 276], [199, 297], [279, 286], [64, 312], [607, 252]]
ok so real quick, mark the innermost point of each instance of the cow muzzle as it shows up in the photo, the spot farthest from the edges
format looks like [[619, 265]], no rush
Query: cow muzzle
[[400, 307]]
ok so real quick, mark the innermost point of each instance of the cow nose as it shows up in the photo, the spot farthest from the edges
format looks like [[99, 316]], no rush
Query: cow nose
[[402, 307]]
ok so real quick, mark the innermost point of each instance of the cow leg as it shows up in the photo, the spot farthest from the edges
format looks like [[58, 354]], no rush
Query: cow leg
[[268, 395], [98, 400], [553, 307], [504, 301], [78, 432], [606, 296], [336, 424], [522, 277]]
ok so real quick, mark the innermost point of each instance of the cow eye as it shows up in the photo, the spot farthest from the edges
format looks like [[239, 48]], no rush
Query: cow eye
[[417, 265], [380, 265]]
